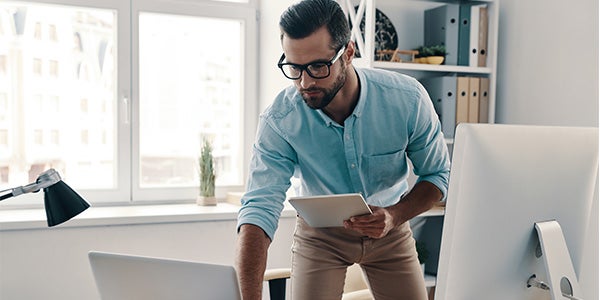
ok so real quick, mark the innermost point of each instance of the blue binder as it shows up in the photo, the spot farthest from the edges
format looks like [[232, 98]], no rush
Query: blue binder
[[441, 27], [464, 30], [442, 91]]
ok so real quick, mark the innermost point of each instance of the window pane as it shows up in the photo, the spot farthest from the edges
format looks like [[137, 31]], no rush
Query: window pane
[[46, 55], [190, 89]]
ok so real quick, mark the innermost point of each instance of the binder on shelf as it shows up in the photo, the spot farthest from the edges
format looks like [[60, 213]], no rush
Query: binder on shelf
[[484, 100], [473, 100], [462, 99], [474, 35], [464, 34], [442, 91], [441, 27], [483, 36]]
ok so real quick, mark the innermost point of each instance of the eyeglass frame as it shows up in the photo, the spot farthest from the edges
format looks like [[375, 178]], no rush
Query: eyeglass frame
[[305, 67]]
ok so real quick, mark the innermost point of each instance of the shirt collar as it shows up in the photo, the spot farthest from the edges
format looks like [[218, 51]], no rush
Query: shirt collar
[[359, 106], [362, 96]]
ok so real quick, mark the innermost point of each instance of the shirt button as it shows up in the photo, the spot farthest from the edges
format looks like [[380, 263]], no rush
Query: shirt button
[[352, 166], [347, 136]]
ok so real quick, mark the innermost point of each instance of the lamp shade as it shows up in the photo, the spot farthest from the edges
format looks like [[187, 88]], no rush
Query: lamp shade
[[62, 203]]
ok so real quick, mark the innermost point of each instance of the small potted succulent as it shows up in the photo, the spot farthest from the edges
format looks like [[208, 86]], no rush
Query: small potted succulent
[[207, 175], [421, 56], [431, 54], [437, 54]]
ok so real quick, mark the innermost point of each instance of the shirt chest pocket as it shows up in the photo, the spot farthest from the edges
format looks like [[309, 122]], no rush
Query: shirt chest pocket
[[385, 170]]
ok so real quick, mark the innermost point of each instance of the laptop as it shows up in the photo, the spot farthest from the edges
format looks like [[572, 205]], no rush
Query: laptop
[[131, 277]]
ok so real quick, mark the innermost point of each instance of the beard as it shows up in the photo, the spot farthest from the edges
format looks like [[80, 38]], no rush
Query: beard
[[319, 98]]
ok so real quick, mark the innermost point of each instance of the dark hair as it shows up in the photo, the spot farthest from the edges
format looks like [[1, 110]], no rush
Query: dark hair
[[307, 16]]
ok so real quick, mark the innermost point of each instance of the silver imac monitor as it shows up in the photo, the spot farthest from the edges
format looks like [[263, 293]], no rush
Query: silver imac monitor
[[504, 179]]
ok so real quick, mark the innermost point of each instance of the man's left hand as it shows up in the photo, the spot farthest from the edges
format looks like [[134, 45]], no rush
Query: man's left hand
[[375, 225]]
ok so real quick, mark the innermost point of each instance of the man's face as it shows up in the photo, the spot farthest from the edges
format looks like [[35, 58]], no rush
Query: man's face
[[317, 93]]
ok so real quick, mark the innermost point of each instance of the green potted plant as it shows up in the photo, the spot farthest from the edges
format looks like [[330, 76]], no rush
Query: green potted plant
[[431, 54], [437, 53], [421, 57], [207, 176], [438, 50]]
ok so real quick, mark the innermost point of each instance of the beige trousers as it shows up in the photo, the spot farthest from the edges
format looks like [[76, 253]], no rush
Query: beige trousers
[[320, 257]]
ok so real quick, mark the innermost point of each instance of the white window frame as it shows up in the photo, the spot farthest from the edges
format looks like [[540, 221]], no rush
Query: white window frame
[[127, 190], [239, 11]]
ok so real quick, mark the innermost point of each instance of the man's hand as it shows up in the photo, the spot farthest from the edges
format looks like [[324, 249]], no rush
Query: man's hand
[[375, 225]]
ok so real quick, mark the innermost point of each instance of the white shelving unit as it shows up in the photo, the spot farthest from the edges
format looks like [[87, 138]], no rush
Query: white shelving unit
[[407, 16], [434, 212], [430, 68], [429, 281]]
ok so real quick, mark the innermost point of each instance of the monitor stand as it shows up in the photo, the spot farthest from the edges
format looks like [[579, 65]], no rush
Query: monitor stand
[[559, 267]]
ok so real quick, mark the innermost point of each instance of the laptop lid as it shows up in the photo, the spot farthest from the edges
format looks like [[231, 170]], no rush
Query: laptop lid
[[127, 277]]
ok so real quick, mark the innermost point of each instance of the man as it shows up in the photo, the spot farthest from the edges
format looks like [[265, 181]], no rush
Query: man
[[341, 130]]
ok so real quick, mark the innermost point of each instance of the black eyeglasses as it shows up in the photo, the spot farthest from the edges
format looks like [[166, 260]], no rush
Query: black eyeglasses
[[316, 70]]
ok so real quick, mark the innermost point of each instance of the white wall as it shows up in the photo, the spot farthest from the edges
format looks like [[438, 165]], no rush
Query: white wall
[[52, 263], [271, 80], [548, 63]]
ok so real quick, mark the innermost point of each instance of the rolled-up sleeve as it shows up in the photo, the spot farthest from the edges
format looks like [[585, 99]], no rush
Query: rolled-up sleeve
[[271, 167], [427, 148]]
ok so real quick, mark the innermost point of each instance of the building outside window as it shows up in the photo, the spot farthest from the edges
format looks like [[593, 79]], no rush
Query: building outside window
[[118, 96]]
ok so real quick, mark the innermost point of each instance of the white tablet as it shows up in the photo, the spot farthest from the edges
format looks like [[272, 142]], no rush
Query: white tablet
[[329, 210]]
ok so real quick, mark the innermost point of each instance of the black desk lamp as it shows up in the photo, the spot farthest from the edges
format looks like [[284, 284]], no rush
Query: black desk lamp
[[62, 203]]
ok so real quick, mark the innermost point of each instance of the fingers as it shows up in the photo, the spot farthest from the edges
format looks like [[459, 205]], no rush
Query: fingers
[[378, 216], [375, 225], [371, 228]]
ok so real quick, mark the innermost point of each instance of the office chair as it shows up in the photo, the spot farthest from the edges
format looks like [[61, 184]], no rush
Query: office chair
[[355, 286]]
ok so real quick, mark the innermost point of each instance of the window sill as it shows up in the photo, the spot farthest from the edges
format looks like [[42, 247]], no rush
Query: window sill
[[127, 215]]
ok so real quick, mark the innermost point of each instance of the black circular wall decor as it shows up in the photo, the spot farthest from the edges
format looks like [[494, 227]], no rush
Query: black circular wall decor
[[386, 37]]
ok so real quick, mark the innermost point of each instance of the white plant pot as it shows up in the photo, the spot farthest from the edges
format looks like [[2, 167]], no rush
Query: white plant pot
[[206, 201]]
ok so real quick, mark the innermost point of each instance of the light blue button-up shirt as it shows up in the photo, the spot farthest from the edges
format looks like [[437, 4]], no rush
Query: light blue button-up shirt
[[393, 121]]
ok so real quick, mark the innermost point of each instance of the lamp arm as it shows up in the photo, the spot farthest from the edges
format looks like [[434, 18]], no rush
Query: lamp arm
[[46, 179], [5, 195]]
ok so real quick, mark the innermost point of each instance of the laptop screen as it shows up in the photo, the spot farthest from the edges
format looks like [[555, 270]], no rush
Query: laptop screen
[[120, 276]]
